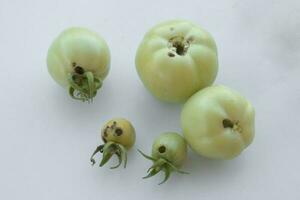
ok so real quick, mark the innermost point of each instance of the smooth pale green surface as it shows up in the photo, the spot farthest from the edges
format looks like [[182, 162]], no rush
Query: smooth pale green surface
[[175, 79], [176, 148], [81, 46], [202, 122]]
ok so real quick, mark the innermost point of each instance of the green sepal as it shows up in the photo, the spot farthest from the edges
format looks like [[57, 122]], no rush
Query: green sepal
[[108, 150], [83, 86], [98, 149], [160, 164]]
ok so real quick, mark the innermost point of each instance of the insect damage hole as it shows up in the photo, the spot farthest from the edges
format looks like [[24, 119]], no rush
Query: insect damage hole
[[119, 131], [179, 48], [179, 45], [162, 149], [170, 54], [228, 123], [79, 70]]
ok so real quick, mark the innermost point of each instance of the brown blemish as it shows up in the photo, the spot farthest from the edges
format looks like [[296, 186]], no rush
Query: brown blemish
[[105, 132], [104, 140]]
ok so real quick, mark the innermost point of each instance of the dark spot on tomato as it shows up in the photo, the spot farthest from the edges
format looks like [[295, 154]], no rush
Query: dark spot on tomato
[[170, 54], [113, 125], [119, 131], [162, 149], [227, 123], [79, 70]]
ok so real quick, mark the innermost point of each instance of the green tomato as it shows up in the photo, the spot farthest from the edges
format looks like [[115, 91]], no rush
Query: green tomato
[[218, 122], [78, 59], [118, 136], [169, 152], [176, 59]]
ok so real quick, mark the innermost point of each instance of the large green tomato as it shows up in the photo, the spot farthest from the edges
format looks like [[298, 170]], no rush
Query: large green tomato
[[218, 122], [78, 60], [176, 59]]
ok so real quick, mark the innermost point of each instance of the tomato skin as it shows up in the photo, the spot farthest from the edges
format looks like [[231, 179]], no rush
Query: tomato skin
[[176, 59], [218, 122]]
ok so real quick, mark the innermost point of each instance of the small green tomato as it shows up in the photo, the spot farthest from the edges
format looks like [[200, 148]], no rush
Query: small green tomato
[[169, 152], [176, 59], [218, 122], [118, 136], [78, 59]]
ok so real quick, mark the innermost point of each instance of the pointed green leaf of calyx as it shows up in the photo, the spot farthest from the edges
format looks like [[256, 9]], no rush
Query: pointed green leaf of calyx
[[98, 149], [167, 171], [159, 165], [98, 84], [119, 161], [174, 168], [83, 86], [74, 90], [108, 150], [152, 172], [90, 81], [146, 156], [123, 153]]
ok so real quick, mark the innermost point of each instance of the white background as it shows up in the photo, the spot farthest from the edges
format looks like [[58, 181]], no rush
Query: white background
[[47, 138]]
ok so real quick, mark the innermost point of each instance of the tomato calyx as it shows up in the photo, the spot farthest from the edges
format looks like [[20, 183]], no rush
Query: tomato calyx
[[160, 164], [108, 150], [83, 84]]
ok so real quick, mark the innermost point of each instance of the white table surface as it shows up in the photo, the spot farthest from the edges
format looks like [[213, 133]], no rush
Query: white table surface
[[47, 138]]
